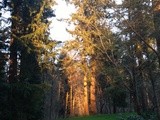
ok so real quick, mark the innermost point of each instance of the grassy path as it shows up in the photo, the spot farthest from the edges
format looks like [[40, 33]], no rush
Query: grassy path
[[101, 117]]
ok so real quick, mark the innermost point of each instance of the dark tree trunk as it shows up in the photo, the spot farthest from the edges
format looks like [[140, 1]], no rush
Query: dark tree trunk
[[134, 93], [13, 62], [155, 103], [142, 93], [13, 44], [156, 19], [114, 107]]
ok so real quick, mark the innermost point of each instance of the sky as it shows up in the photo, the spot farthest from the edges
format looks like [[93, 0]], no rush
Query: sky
[[58, 28]]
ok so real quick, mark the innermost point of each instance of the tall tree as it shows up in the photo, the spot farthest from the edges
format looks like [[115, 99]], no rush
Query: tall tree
[[29, 36], [156, 19], [4, 36], [27, 42]]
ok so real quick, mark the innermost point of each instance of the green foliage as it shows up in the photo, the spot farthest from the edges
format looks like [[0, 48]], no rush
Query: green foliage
[[149, 115], [145, 116], [21, 102]]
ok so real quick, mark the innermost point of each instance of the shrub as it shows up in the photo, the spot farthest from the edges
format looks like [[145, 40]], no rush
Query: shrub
[[149, 115]]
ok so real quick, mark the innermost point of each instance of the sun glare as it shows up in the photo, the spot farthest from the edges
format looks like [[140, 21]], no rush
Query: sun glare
[[58, 26]]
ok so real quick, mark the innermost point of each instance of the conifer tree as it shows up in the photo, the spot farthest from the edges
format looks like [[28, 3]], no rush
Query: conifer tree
[[29, 38]]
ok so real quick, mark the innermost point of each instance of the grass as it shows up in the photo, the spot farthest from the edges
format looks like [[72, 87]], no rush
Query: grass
[[101, 117]]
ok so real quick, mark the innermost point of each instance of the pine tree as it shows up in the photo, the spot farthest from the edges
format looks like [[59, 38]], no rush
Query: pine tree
[[30, 39]]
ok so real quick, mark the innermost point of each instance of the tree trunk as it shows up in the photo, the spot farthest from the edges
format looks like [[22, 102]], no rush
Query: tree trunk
[[86, 108], [114, 107], [142, 92], [13, 43], [71, 101], [134, 93], [155, 102], [13, 62], [156, 19], [66, 107], [93, 108]]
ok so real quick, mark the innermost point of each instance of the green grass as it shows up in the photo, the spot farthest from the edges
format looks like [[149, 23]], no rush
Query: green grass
[[101, 117]]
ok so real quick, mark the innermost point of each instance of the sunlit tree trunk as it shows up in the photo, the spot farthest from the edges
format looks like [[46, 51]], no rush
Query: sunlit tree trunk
[[66, 107], [71, 101], [93, 107], [86, 108]]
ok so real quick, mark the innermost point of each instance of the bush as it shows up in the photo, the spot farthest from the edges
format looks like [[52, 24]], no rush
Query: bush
[[149, 115]]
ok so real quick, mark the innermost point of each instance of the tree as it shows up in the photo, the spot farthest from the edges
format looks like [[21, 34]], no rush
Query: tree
[[25, 94], [156, 19], [29, 36], [3, 46], [3, 60]]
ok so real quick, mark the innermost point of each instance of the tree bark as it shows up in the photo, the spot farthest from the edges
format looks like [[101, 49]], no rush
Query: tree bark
[[134, 93], [86, 108], [71, 101], [93, 107], [13, 62], [156, 19]]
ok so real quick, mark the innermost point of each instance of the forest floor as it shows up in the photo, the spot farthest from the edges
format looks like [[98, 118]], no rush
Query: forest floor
[[118, 116]]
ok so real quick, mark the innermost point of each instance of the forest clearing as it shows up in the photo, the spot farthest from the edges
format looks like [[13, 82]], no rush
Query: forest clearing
[[108, 69]]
